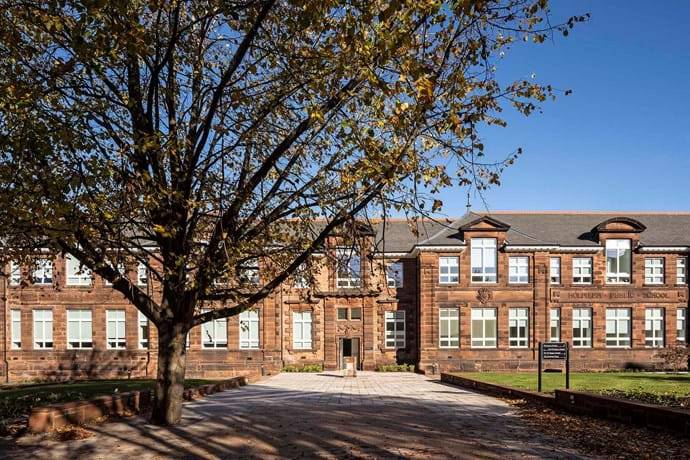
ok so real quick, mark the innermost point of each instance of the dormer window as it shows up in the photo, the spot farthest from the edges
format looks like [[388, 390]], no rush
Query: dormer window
[[618, 261], [483, 260], [348, 268]]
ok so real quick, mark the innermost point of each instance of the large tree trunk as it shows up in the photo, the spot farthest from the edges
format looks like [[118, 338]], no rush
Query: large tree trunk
[[167, 405]]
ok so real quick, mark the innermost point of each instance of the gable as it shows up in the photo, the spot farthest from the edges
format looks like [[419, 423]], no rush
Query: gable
[[620, 225], [485, 223]]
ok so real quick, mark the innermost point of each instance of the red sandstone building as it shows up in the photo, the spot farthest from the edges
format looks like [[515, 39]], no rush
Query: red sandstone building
[[478, 293]]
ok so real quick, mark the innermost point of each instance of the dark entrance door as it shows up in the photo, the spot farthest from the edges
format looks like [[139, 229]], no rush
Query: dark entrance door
[[349, 347]]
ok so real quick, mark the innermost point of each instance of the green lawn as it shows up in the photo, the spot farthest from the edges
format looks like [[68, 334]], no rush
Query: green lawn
[[659, 388], [19, 400]]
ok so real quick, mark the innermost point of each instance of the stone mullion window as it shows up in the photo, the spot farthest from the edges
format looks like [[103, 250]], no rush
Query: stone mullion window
[[116, 333], [394, 329], [618, 261], [483, 260], [16, 329], [582, 327], [618, 327], [654, 327], [555, 325], [249, 330], [449, 327], [43, 329]]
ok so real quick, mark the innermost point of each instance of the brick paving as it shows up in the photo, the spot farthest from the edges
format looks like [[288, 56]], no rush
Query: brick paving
[[375, 415]]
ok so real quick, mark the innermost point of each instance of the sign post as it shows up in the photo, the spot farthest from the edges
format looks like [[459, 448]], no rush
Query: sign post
[[554, 350]]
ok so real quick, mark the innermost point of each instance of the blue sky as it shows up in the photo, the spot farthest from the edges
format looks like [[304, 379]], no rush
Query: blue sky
[[621, 141]]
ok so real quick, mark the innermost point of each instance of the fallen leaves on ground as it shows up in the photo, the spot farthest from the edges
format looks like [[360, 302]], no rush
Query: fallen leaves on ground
[[602, 437], [71, 433]]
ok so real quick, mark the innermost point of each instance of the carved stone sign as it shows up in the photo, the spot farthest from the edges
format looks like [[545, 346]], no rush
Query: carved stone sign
[[618, 295]]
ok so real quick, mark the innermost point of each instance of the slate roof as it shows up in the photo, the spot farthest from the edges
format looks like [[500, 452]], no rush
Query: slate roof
[[565, 228]]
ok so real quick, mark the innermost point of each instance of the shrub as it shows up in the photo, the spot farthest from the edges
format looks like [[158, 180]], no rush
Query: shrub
[[395, 368], [303, 368], [675, 358]]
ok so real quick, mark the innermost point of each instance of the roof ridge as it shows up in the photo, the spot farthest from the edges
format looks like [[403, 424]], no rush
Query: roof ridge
[[594, 212]]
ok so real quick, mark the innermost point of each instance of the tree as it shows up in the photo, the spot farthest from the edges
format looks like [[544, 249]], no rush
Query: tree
[[195, 137]]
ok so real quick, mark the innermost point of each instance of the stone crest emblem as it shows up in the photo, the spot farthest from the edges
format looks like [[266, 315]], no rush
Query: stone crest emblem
[[484, 295]]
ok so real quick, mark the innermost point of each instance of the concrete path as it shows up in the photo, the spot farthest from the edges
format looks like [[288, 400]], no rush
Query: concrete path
[[375, 415]]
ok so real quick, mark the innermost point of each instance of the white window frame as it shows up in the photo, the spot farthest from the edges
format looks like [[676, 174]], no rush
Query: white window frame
[[43, 272], [43, 329], [555, 270], [654, 270], [75, 273], [484, 316], [300, 279], [214, 334], [518, 327], [681, 324], [582, 269], [302, 324], [250, 330], [582, 319], [518, 270], [82, 320], [16, 329], [394, 274], [681, 270], [618, 327], [483, 254], [118, 320], [554, 324], [348, 269], [395, 336], [15, 273], [249, 272], [447, 317], [143, 331], [142, 274], [620, 247], [448, 270], [654, 327]]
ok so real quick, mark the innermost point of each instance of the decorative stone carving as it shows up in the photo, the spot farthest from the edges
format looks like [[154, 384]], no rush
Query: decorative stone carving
[[349, 329], [484, 295]]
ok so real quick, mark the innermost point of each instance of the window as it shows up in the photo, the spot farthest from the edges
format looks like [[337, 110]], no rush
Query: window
[[394, 275], [449, 327], [395, 329], [43, 329], [518, 327], [448, 270], [121, 270], [582, 270], [15, 274], [555, 270], [618, 327], [300, 277], [518, 269], [654, 327], [249, 329], [483, 327], [348, 268], [142, 330], [618, 261], [681, 270], [681, 324], [355, 313], [79, 329], [214, 333], [16, 329], [342, 313], [249, 271], [77, 275], [43, 272], [582, 327], [483, 260], [555, 325], [142, 274], [654, 271], [301, 330], [115, 329]]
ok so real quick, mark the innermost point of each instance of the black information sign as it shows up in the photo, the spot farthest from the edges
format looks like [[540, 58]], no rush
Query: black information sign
[[554, 350]]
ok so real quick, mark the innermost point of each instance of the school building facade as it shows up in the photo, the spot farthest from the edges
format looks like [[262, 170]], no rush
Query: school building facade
[[476, 293]]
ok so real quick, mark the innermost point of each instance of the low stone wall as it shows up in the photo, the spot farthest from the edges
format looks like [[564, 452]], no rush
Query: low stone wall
[[633, 412], [49, 418], [577, 402]]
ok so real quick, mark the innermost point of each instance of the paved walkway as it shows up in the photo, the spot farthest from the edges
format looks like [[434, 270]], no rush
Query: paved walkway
[[376, 415]]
